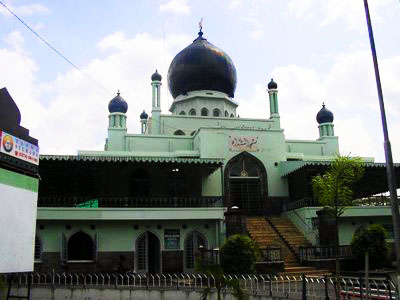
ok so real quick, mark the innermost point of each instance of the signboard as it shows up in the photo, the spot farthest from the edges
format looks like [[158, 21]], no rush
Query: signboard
[[171, 239], [18, 206], [243, 143], [18, 148]]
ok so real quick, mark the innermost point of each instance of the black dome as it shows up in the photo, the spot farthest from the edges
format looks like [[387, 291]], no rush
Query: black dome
[[324, 115], [156, 76], [118, 104], [272, 84], [201, 66], [144, 116]]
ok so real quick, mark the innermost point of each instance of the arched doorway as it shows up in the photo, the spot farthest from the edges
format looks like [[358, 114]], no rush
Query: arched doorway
[[192, 243], [80, 247], [148, 252], [246, 183]]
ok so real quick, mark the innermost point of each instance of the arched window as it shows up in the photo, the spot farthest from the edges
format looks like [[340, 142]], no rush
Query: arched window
[[204, 112], [182, 113], [216, 112], [80, 247], [38, 249], [232, 116], [179, 132], [226, 114], [192, 112], [177, 183], [148, 252], [139, 185], [193, 241]]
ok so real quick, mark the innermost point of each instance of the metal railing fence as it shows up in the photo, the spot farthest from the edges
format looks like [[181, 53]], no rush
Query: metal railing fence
[[271, 254], [311, 202], [90, 202], [323, 252], [298, 287]]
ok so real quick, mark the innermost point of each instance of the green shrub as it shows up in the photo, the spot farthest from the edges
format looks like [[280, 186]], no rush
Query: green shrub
[[373, 240], [239, 254]]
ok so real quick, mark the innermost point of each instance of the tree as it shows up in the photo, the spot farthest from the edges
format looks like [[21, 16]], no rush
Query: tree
[[239, 254], [334, 189], [370, 243], [373, 241], [220, 280]]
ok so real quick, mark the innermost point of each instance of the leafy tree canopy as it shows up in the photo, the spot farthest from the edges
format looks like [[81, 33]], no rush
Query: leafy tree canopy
[[239, 254], [335, 188], [373, 240]]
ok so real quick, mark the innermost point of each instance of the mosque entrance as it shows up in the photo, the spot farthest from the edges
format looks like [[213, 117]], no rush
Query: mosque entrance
[[148, 253], [245, 179]]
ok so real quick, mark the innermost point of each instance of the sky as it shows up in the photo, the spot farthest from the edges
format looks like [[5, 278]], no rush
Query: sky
[[316, 51]]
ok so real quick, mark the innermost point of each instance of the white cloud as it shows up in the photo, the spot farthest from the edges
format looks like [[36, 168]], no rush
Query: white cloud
[[76, 116], [329, 11], [349, 91], [25, 10], [300, 8], [179, 7], [235, 4]]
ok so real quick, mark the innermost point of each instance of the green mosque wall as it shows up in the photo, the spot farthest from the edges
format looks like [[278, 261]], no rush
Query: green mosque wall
[[121, 235], [352, 218]]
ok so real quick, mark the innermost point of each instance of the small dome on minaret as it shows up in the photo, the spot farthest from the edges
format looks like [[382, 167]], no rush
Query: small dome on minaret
[[156, 77], [272, 85], [324, 115], [144, 116], [118, 104]]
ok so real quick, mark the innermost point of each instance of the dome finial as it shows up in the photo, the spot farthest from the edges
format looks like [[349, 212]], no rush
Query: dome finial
[[201, 26], [324, 115], [156, 76], [272, 85], [118, 104]]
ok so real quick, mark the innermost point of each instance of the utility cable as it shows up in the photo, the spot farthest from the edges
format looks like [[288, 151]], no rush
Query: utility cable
[[55, 50]]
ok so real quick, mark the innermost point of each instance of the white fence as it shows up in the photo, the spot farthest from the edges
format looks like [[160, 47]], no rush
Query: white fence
[[294, 287]]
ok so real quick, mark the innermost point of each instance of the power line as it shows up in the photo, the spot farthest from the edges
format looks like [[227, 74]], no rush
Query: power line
[[55, 50]]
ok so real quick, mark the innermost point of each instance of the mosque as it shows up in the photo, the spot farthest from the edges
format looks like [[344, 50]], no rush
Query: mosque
[[148, 201]]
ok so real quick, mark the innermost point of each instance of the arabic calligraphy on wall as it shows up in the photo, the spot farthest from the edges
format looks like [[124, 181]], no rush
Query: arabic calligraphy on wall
[[243, 143]]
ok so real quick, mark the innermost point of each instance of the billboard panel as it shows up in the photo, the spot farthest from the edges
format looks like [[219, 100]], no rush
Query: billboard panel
[[18, 148], [18, 202]]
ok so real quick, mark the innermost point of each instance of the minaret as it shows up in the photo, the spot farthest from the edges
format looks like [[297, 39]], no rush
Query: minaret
[[143, 122], [156, 106], [325, 119], [117, 124], [273, 99], [273, 102]]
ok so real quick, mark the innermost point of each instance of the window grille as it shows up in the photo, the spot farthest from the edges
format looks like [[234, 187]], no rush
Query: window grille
[[192, 244], [141, 252], [38, 249]]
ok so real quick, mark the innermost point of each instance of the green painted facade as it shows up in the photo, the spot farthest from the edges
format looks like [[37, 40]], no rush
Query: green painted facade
[[18, 180], [352, 218], [203, 136]]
